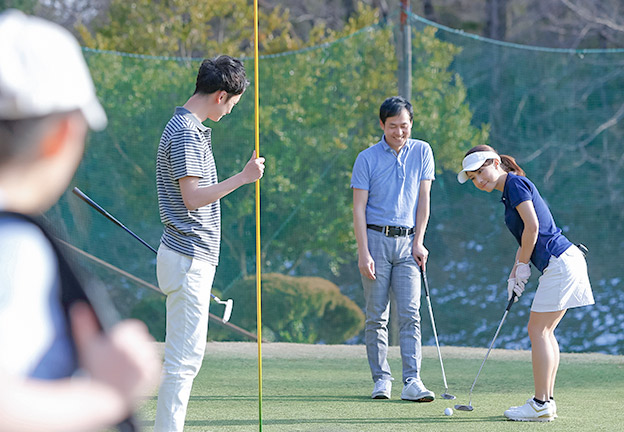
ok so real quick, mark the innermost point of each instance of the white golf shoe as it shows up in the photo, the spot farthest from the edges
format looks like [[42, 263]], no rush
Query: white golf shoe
[[532, 411], [382, 390], [551, 401], [414, 390]]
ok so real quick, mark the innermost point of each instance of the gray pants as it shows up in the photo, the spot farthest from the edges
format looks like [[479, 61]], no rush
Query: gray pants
[[396, 271]]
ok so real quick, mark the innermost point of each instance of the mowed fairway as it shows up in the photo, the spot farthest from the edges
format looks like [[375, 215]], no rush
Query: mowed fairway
[[327, 388]]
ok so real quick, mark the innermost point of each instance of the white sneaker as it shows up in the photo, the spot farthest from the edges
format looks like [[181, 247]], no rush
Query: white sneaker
[[414, 390], [531, 411], [554, 407], [382, 389], [552, 401]]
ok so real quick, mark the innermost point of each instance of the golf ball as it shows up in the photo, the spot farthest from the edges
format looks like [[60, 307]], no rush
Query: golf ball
[[448, 412]]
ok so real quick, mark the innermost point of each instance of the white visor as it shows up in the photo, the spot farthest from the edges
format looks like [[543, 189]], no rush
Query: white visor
[[473, 162]]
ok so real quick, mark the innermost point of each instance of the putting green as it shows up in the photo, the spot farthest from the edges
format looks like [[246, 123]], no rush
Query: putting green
[[327, 388]]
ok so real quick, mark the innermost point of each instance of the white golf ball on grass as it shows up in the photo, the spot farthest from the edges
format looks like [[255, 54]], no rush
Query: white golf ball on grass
[[448, 412]]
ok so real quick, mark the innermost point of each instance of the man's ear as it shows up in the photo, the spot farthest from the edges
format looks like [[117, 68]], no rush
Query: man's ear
[[57, 136], [222, 96]]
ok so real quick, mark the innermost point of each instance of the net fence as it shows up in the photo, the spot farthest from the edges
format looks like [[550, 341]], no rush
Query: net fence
[[558, 112]]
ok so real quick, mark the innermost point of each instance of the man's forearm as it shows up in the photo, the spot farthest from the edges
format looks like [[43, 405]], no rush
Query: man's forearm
[[196, 197], [423, 210], [360, 198]]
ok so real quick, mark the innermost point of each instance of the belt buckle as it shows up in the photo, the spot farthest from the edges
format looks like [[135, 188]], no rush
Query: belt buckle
[[387, 231]]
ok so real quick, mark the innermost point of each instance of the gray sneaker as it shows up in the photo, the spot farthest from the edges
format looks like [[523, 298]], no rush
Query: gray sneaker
[[414, 390], [382, 389]]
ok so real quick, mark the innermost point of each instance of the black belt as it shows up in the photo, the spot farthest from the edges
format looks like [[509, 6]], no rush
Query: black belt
[[392, 231]]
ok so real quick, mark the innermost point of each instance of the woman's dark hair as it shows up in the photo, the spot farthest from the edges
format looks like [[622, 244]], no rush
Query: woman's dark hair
[[221, 73], [508, 163], [393, 106]]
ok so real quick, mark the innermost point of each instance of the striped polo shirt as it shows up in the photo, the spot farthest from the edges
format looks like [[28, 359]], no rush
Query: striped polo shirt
[[185, 150]]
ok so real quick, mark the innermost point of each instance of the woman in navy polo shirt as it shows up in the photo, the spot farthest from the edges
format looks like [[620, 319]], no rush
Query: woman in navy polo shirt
[[564, 282]]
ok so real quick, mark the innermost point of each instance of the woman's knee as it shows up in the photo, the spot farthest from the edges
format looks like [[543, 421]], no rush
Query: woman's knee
[[538, 331]]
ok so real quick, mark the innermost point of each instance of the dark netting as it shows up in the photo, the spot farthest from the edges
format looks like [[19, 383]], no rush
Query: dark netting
[[558, 112]]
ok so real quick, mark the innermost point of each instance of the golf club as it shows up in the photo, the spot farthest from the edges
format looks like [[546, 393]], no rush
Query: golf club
[[423, 274], [469, 407], [80, 194]]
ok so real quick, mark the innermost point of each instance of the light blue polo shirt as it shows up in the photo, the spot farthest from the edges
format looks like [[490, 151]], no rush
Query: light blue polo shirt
[[393, 181]]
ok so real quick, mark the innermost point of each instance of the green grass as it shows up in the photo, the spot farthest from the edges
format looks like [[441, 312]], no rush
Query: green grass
[[327, 388]]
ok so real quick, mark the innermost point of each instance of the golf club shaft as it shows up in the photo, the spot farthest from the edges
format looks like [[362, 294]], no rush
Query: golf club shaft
[[111, 218], [435, 333], [511, 302]]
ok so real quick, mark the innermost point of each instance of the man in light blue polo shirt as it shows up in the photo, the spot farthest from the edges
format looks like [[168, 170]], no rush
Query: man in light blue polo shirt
[[391, 184]]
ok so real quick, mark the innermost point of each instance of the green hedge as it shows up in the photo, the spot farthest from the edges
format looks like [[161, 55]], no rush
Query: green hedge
[[294, 309]]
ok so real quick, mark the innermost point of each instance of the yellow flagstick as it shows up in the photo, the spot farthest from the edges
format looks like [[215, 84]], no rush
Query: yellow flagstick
[[258, 250]]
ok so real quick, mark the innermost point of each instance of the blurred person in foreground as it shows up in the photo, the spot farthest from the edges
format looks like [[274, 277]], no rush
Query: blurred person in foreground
[[58, 370], [564, 282], [391, 184]]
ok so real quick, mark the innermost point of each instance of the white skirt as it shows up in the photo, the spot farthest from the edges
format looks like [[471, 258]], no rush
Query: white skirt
[[564, 283]]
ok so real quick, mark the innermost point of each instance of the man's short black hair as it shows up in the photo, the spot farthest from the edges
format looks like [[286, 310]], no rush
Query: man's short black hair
[[221, 73], [393, 106]]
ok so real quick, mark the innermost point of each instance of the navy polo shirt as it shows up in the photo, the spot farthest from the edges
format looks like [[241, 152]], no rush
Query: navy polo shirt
[[550, 240]]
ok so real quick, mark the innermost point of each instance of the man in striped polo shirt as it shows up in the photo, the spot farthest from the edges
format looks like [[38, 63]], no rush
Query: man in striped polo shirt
[[188, 200]]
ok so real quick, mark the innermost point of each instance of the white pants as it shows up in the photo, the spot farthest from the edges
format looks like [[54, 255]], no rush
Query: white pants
[[187, 282]]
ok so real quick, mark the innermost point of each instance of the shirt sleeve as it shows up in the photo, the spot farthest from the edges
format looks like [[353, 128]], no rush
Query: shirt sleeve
[[187, 154], [27, 278], [428, 172], [519, 191], [360, 178]]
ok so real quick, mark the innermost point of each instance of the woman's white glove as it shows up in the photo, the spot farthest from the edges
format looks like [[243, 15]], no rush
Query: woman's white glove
[[523, 273], [514, 287]]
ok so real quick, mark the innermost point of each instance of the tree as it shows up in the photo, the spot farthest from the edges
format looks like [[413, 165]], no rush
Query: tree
[[496, 23], [318, 111], [190, 28], [306, 210]]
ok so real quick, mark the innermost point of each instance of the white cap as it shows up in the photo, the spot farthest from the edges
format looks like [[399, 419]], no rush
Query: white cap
[[473, 162], [43, 71]]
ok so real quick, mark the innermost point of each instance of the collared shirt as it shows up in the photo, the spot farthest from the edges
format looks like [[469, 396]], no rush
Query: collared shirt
[[185, 150], [550, 240], [393, 180]]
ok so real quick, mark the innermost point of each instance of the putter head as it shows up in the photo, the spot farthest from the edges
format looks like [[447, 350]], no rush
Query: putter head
[[447, 396], [464, 407], [228, 310]]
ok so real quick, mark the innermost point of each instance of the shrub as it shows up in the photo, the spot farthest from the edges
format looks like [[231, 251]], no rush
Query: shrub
[[295, 309]]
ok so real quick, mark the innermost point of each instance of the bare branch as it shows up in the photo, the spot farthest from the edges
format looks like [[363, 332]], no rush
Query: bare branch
[[592, 17], [604, 126]]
